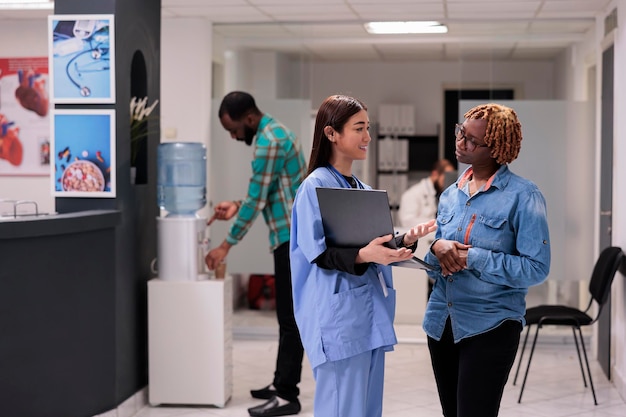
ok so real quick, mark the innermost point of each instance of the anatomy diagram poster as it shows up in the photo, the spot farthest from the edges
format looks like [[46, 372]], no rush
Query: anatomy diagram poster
[[24, 118]]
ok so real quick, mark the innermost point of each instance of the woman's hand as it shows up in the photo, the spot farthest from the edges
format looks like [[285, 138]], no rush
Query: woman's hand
[[452, 255], [419, 231], [377, 252]]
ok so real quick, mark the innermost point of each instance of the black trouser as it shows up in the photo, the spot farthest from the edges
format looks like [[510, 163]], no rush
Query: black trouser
[[290, 351], [471, 374]]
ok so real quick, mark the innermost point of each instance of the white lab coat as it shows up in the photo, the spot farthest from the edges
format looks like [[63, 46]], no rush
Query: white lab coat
[[418, 204]]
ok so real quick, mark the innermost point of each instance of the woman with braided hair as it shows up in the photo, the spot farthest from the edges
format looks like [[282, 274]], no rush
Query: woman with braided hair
[[491, 244]]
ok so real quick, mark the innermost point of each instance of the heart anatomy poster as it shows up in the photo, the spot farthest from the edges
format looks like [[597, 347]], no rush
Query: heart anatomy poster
[[24, 116]]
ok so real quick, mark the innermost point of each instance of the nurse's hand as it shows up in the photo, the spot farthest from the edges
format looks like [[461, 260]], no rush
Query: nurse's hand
[[419, 231], [452, 255], [377, 252]]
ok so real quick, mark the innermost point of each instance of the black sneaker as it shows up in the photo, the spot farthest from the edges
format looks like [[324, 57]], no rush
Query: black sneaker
[[263, 393], [272, 408]]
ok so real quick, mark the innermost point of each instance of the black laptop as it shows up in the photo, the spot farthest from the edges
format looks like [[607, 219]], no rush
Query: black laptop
[[352, 217]]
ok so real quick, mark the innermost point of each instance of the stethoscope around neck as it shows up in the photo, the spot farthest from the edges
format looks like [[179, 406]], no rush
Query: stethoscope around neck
[[99, 55], [342, 180]]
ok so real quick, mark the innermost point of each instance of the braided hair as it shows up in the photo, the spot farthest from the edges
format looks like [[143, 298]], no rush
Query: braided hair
[[504, 131]]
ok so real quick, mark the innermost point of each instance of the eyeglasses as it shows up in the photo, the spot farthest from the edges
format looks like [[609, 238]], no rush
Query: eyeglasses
[[470, 144]]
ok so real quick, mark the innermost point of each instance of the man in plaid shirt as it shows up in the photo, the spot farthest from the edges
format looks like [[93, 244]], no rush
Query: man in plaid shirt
[[278, 169]]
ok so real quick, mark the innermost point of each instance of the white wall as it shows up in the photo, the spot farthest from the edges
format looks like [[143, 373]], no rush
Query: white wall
[[26, 38], [186, 75], [422, 83]]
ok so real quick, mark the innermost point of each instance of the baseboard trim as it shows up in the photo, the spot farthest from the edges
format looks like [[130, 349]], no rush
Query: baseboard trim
[[619, 381], [130, 407]]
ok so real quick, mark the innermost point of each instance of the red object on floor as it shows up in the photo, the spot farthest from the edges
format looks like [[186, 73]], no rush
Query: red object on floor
[[261, 292]]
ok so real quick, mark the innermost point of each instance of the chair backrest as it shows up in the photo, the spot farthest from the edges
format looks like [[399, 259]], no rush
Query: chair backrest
[[603, 273]]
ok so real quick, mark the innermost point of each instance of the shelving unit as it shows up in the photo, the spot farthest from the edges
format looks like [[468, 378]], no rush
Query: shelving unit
[[402, 156]]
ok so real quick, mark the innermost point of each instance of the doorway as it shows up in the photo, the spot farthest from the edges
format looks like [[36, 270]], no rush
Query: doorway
[[606, 198]]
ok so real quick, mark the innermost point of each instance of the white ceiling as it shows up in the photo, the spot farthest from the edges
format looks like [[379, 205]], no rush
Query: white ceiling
[[333, 29]]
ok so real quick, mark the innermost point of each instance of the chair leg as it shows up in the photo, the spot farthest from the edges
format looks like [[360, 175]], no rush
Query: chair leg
[[530, 358], [580, 361], [593, 391], [521, 355]]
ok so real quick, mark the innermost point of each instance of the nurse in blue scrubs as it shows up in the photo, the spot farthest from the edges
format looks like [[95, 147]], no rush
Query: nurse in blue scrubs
[[344, 301]]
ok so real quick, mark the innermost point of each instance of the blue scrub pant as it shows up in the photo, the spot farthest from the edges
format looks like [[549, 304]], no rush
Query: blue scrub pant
[[351, 387]]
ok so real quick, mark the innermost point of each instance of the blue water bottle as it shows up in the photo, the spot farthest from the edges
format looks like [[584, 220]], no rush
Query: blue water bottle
[[181, 178]]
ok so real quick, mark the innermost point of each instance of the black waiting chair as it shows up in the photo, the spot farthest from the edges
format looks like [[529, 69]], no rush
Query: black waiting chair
[[559, 315]]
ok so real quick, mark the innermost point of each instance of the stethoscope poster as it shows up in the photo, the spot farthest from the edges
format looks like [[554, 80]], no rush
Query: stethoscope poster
[[81, 53], [83, 153], [24, 118]]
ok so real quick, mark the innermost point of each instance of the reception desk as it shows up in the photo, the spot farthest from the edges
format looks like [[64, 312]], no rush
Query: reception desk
[[58, 314]]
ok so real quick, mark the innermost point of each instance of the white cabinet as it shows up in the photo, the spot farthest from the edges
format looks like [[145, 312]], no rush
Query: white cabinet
[[412, 287], [190, 341]]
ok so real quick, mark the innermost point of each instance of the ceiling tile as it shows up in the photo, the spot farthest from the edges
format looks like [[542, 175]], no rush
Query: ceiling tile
[[222, 13], [589, 6], [512, 10], [414, 11], [495, 28], [252, 30], [329, 30]]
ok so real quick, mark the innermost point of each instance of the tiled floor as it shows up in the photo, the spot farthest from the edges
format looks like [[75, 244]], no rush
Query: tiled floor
[[554, 387]]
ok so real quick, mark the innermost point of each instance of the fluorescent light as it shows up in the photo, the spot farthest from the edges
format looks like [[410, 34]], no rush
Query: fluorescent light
[[405, 27], [26, 4]]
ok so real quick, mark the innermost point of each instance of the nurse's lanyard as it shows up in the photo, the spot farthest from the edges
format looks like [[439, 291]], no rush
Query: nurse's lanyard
[[344, 182]]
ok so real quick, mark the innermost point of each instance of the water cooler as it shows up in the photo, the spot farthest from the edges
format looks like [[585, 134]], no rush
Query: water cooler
[[181, 192], [189, 315]]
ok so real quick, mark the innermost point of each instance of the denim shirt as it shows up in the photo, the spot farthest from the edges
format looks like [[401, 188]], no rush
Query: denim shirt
[[506, 224]]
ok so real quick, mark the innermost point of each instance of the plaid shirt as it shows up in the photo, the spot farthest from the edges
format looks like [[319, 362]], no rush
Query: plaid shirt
[[278, 169]]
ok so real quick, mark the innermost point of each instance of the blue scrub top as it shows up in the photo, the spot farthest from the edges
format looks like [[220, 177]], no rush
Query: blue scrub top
[[339, 315]]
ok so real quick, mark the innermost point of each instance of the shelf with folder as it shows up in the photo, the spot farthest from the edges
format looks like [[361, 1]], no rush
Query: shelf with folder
[[402, 160]]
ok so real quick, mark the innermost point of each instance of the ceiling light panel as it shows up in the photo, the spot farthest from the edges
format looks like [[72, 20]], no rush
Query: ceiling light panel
[[405, 27]]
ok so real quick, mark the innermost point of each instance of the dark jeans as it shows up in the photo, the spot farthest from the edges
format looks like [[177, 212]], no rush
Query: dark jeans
[[471, 374], [290, 351]]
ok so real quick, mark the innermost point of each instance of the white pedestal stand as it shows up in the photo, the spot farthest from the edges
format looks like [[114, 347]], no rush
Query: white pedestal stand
[[190, 341]]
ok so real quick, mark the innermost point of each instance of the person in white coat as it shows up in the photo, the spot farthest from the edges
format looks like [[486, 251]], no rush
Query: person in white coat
[[418, 203]]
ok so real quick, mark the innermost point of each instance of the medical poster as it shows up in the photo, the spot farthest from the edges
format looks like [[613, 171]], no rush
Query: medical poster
[[81, 52], [83, 153], [24, 120]]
